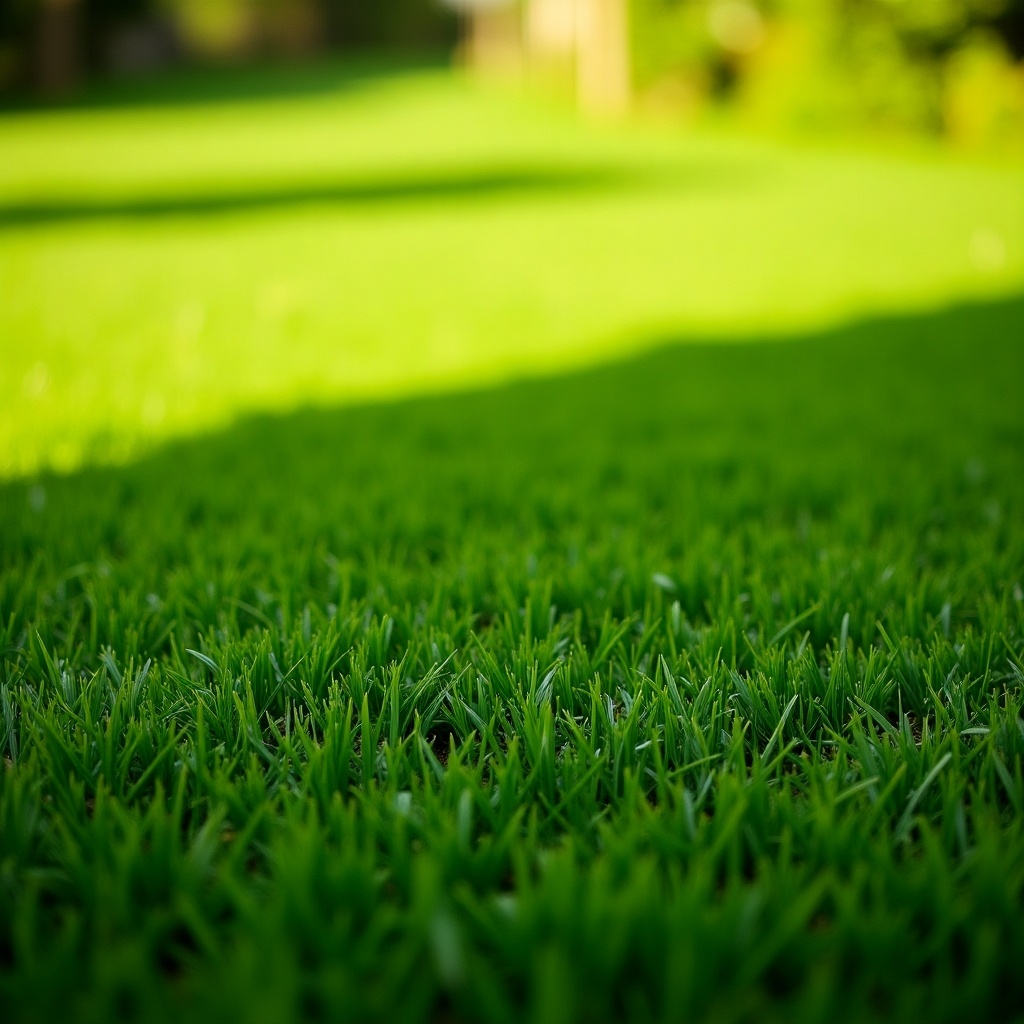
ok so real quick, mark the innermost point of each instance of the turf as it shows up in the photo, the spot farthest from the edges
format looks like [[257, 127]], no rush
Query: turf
[[688, 688], [168, 266]]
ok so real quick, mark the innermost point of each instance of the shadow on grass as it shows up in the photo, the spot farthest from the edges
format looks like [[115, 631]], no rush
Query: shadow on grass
[[940, 388], [370, 192], [381, 190]]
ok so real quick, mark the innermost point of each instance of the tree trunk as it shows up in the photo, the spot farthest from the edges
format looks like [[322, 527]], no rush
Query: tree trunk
[[58, 45], [602, 56], [494, 38]]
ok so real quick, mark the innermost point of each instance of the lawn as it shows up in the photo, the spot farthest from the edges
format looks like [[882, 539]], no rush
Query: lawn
[[167, 266], [680, 680]]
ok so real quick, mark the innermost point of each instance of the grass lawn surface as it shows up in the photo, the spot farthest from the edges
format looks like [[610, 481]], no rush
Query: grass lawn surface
[[167, 266], [687, 687]]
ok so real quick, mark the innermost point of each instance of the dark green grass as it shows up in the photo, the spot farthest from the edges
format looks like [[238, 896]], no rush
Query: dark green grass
[[685, 689]]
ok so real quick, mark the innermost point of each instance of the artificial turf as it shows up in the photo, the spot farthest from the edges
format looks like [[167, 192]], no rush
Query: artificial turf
[[686, 688]]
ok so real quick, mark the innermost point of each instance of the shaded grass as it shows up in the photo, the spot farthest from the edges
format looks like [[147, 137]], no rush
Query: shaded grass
[[687, 688], [434, 188]]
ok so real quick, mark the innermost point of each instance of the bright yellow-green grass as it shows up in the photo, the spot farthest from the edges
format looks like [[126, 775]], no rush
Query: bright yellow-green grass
[[164, 268]]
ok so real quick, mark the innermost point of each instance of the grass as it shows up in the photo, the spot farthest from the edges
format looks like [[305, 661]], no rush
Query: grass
[[167, 267], [688, 687]]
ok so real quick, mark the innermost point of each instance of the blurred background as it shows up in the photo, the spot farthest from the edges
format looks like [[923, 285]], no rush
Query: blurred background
[[949, 67], [210, 208]]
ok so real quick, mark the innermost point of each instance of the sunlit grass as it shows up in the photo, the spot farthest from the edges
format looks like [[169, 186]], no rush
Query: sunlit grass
[[164, 268]]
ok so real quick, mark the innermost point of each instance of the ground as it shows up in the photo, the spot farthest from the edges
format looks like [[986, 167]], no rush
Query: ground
[[681, 680]]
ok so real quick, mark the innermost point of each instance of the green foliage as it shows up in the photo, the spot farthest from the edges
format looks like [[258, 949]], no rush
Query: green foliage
[[395, 23], [688, 688], [837, 64], [343, 25]]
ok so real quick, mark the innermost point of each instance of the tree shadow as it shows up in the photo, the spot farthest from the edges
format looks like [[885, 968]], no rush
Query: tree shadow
[[453, 187], [441, 186], [941, 385]]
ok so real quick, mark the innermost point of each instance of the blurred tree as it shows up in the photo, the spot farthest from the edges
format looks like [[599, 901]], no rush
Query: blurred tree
[[58, 44], [589, 38], [895, 64], [52, 44], [492, 35], [950, 65], [388, 24], [16, 20], [602, 56]]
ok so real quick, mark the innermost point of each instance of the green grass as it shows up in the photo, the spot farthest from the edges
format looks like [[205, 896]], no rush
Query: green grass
[[166, 267], [688, 687]]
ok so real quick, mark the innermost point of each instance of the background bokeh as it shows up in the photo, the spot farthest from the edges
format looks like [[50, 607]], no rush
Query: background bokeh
[[941, 66]]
